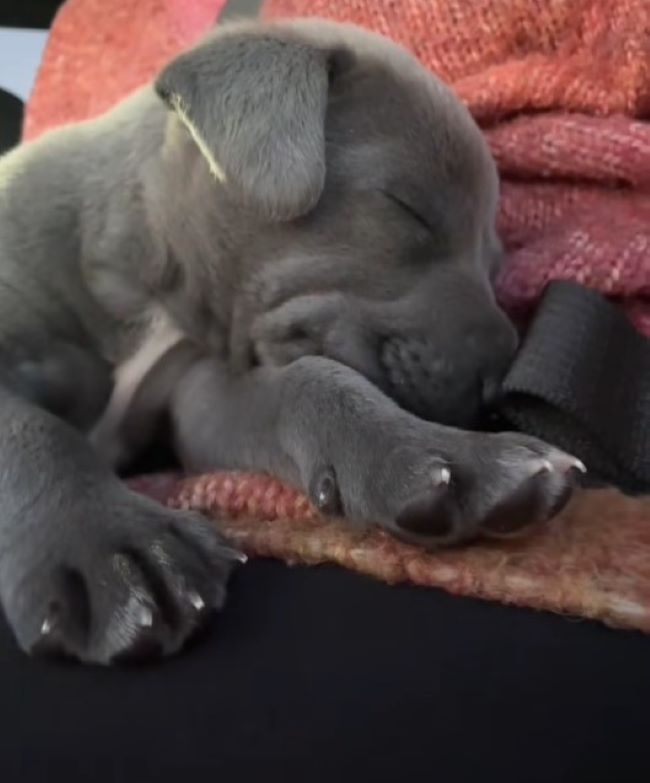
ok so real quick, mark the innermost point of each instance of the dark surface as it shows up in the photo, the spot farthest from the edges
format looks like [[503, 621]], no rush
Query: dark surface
[[11, 117], [322, 675], [40, 13], [28, 13]]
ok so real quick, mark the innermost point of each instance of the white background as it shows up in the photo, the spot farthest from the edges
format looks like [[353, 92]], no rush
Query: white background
[[20, 55]]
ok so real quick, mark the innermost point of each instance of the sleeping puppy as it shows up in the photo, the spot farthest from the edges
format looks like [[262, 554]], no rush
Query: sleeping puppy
[[285, 248]]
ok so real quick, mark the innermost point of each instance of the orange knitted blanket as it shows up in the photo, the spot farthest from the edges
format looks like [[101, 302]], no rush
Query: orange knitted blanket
[[562, 89]]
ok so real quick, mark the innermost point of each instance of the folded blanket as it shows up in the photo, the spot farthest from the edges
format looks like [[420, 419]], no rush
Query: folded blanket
[[562, 89], [100, 50]]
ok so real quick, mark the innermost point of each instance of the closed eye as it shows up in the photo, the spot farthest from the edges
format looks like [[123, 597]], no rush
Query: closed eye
[[405, 207]]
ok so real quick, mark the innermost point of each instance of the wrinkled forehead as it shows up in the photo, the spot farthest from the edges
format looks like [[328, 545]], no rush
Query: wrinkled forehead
[[386, 132]]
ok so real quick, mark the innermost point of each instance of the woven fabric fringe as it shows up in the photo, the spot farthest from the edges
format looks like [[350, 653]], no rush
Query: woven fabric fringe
[[592, 560]]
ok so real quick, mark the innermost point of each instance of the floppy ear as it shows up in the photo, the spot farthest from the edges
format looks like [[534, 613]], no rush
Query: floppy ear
[[255, 105]]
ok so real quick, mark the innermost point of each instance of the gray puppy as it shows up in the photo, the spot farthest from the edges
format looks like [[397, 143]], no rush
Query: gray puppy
[[285, 247]]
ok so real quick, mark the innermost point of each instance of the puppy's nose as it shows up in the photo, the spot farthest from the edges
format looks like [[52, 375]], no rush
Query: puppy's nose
[[450, 378], [493, 338], [491, 390], [491, 347]]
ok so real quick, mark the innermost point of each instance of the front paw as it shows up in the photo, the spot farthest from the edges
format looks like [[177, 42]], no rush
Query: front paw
[[434, 486], [115, 580]]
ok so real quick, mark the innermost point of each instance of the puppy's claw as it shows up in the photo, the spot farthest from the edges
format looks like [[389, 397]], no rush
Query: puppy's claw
[[325, 491], [232, 554], [236, 555], [566, 462], [578, 464], [443, 477], [560, 462], [50, 640], [197, 602], [144, 617], [52, 622]]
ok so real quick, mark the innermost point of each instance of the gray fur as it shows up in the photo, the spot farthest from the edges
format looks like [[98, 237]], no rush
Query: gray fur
[[286, 246], [274, 160]]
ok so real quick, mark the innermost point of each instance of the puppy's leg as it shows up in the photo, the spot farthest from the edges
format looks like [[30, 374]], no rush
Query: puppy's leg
[[88, 568], [326, 429]]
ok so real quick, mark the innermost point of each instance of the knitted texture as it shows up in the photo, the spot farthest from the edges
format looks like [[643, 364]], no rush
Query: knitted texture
[[561, 88], [592, 560], [101, 50]]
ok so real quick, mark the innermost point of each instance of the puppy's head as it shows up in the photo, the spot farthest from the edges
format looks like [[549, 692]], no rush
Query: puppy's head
[[356, 202]]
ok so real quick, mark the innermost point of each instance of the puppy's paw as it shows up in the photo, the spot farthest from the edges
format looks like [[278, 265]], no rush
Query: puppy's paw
[[502, 486], [126, 580], [437, 487]]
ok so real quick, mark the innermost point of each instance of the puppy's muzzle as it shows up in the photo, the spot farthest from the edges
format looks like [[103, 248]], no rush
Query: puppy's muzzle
[[448, 372], [451, 385]]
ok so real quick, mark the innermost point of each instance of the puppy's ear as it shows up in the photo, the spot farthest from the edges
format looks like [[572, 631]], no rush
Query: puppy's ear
[[255, 104]]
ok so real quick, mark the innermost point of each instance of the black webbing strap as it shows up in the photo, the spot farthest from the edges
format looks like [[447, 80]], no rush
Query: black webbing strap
[[581, 381]]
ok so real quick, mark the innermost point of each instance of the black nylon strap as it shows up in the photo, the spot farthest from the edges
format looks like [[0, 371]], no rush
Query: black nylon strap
[[581, 381]]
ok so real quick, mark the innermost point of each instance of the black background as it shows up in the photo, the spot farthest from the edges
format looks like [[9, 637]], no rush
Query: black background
[[322, 675]]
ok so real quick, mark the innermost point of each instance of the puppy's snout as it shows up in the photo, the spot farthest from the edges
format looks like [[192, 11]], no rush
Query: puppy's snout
[[491, 347], [450, 380], [491, 390]]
